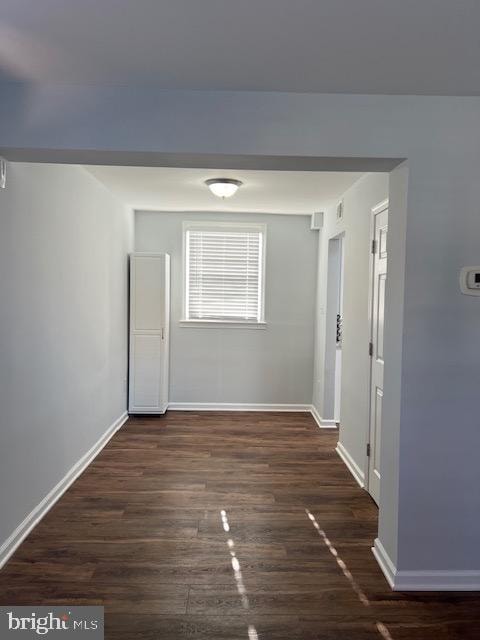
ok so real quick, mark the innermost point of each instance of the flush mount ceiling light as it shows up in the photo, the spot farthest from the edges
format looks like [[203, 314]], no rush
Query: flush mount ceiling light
[[223, 187]]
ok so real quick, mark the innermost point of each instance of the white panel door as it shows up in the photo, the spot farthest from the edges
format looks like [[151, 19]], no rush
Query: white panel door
[[379, 279], [149, 333]]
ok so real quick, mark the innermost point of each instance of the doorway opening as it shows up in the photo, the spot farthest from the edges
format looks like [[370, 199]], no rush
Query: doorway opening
[[338, 339], [334, 322], [290, 233]]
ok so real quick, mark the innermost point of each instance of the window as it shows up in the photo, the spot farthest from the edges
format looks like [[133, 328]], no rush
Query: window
[[224, 272]]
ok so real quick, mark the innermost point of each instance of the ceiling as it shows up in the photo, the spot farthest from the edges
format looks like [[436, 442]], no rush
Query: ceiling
[[171, 189], [325, 46]]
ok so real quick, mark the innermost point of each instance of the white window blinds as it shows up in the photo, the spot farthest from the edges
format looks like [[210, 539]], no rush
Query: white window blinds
[[224, 273]]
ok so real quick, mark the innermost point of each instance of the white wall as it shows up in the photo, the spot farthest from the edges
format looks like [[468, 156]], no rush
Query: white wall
[[429, 519], [63, 327], [272, 365], [355, 225], [394, 318]]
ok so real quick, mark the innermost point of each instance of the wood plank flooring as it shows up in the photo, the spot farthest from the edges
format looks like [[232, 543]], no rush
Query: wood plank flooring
[[225, 526]]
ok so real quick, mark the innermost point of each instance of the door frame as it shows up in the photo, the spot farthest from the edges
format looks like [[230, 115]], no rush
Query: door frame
[[378, 208], [335, 246], [337, 400]]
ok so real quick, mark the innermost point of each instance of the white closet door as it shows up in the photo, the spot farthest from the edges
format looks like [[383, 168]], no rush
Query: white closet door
[[149, 332]]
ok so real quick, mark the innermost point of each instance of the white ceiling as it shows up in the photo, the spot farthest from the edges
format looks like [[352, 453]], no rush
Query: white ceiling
[[344, 46], [171, 189]]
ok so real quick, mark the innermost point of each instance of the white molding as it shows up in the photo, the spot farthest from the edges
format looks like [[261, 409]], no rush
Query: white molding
[[33, 518], [230, 406], [352, 466], [323, 423], [386, 565], [434, 580], [437, 581], [220, 324], [381, 206]]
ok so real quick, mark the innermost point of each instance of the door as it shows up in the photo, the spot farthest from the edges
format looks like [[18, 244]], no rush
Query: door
[[378, 282]]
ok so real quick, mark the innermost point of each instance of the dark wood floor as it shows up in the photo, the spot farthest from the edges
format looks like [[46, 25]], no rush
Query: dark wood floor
[[219, 526]]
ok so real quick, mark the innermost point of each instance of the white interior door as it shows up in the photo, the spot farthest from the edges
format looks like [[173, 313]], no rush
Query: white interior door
[[379, 279]]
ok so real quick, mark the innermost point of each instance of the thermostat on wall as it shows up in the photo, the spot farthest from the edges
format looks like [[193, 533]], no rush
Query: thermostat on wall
[[3, 173], [470, 281]]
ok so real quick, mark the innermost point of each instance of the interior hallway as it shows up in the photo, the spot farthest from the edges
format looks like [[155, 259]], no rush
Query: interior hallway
[[225, 526]]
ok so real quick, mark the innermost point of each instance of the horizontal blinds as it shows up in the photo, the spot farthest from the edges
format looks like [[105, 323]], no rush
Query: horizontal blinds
[[224, 274]]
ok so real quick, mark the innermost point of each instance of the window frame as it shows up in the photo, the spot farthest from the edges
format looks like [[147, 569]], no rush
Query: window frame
[[260, 323]]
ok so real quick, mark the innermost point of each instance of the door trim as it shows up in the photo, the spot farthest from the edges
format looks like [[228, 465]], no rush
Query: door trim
[[352, 466], [381, 206]]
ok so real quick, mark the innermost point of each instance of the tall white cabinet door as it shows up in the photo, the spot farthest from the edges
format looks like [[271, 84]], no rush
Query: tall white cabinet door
[[149, 332]]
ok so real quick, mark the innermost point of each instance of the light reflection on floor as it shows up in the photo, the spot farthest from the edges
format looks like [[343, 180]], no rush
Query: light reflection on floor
[[383, 631], [381, 628], [361, 596], [252, 632], [242, 592], [226, 526], [237, 574]]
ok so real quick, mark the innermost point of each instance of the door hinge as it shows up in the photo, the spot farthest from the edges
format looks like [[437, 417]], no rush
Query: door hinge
[[370, 349], [368, 450], [374, 246]]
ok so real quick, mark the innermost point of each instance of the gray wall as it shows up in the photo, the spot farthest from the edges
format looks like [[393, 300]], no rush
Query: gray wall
[[274, 365], [432, 379], [390, 446], [63, 332], [355, 225]]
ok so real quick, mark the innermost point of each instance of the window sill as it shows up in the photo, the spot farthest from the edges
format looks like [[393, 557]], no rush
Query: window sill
[[221, 324]]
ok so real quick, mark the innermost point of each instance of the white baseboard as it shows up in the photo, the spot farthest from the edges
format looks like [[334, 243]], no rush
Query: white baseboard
[[42, 508], [424, 580], [323, 423], [386, 565], [352, 466], [229, 406]]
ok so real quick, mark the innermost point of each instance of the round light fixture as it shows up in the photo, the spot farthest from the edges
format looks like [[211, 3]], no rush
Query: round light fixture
[[223, 187]]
